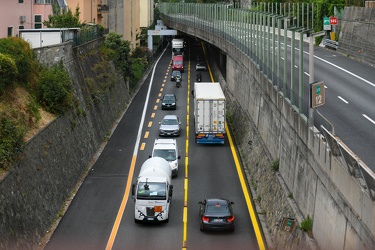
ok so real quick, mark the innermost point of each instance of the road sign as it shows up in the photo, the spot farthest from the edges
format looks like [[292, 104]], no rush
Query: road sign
[[317, 94], [333, 20], [288, 225], [326, 24]]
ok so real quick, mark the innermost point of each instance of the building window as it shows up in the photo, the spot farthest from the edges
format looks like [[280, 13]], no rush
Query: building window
[[21, 27], [43, 1], [38, 22], [10, 31], [20, 1]]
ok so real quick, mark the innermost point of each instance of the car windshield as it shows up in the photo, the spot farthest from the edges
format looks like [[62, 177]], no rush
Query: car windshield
[[217, 209], [151, 190], [167, 154], [177, 62], [169, 98], [176, 73], [169, 122]]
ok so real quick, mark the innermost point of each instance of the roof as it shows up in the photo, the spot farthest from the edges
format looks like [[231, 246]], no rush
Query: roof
[[208, 90]]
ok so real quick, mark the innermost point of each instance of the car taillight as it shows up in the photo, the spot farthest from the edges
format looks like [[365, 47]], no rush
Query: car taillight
[[206, 219], [230, 219]]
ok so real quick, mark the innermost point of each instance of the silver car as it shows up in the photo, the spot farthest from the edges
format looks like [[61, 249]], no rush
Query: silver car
[[200, 66], [170, 126]]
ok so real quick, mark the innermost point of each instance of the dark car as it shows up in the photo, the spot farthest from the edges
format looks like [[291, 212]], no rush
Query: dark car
[[174, 74], [170, 126], [216, 214], [168, 101]]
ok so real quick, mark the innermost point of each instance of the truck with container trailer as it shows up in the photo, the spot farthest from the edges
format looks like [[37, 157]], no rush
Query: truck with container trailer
[[177, 47], [209, 113], [152, 192]]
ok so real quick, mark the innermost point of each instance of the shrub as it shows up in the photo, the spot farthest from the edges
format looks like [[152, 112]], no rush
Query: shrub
[[23, 56], [11, 141], [307, 224], [8, 71], [54, 89], [275, 165], [137, 68]]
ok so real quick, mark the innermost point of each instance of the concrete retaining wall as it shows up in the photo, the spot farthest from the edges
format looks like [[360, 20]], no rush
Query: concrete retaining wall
[[310, 182], [357, 35], [36, 189]]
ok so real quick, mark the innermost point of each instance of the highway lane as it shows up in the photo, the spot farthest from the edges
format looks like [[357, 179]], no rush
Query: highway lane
[[94, 219], [88, 221], [350, 95]]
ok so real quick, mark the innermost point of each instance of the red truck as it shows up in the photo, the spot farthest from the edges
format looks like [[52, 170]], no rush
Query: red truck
[[178, 63]]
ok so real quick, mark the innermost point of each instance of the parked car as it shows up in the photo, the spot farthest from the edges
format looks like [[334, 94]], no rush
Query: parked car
[[200, 66], [170, 126], [168, 101], [174, 74], [216, 214]]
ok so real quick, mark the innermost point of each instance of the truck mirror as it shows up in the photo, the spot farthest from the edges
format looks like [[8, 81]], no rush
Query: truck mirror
[[179, 157], [133, 190], [170, 191], [149, 156]]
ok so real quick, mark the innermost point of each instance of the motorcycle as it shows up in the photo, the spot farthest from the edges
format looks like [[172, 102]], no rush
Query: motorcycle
[[178, 81], [199, 77]]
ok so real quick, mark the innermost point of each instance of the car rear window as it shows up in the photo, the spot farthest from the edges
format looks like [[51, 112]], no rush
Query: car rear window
[[217, 209]]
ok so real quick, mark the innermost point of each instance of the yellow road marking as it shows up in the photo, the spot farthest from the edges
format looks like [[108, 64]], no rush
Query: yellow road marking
[[146, 135], [142, 146], [149, 124], [155, 107], [122, 206], [157, 100], [185, 217], [247, 195], [161, 89], [153, 115]]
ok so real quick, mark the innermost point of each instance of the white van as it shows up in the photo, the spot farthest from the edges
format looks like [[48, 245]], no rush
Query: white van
[[167, 149]]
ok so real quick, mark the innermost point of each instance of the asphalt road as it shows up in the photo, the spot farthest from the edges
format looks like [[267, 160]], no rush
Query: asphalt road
[[95, 220]]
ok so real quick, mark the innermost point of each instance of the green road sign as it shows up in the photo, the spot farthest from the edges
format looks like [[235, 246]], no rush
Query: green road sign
[[326, 24], [317, 94]]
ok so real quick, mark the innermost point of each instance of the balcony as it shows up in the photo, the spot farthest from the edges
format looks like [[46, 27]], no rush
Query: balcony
[[103, 8]]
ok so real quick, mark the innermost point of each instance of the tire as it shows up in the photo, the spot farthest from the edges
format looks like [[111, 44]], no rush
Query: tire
[[136, 221], [166, 221]]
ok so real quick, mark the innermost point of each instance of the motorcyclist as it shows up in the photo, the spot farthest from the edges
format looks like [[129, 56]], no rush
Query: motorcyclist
[[199, 77], [178, 81]]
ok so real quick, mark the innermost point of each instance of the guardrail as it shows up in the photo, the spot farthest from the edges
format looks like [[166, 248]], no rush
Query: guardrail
[[330, 43]]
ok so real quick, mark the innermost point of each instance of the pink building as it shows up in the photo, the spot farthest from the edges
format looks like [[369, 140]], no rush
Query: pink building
[[23, 14]]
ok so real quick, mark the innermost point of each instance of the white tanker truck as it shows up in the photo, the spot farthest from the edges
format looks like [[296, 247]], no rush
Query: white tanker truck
[[152, 193]]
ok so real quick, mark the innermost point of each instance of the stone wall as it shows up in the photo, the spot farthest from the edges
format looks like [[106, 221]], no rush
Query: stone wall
[[357, 35], [35, 190]]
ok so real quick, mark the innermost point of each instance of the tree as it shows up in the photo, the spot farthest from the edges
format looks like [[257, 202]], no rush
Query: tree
[[120, 52], [62, 18], [8, 71]]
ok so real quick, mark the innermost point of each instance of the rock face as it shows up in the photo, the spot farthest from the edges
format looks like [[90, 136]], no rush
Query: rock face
[[34, 192]]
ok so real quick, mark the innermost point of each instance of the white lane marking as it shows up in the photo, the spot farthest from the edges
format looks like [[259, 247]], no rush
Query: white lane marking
[[342, 99], [338, 67], [368, 118]]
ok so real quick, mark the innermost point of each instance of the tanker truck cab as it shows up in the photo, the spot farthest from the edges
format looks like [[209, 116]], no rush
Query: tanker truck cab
[[168, 150], [152, 193]]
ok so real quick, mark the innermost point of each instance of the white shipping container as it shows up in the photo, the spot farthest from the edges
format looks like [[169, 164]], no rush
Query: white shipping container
[[209, 108]]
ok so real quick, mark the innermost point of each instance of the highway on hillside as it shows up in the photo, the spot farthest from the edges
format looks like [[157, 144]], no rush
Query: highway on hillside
[[350, 85], [101, 215]]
